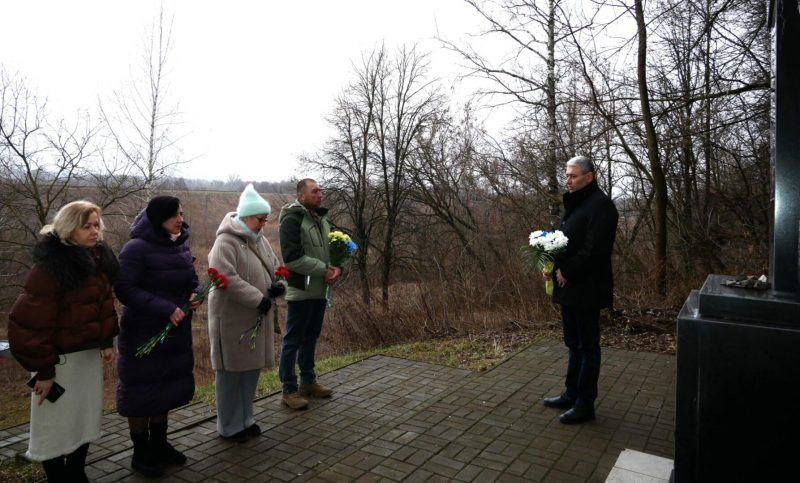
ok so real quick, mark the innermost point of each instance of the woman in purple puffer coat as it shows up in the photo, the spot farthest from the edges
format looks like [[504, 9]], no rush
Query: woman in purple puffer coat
[[157, 277]]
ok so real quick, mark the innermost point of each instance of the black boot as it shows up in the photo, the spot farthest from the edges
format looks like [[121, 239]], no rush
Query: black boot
[[580, 413], [76, 464], [561, 401], [55, 470], [144, 460], [166, 454]]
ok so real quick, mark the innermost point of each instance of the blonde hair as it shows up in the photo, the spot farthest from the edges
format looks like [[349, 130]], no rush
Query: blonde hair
[[71, 217]]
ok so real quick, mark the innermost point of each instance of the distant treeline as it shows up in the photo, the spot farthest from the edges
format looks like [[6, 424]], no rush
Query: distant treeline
[[189, 184]]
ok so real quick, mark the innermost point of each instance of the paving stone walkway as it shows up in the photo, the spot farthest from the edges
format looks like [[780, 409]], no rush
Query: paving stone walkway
[[397, 420]]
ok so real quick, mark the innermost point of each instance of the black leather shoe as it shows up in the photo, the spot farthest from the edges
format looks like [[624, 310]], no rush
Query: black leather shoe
[[560, 401], [577, 415]]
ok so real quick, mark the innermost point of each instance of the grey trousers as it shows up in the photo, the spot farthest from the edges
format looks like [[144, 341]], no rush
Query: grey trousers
[[235, 393]]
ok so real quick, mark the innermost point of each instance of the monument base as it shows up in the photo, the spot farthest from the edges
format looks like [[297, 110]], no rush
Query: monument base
[[738, 386]]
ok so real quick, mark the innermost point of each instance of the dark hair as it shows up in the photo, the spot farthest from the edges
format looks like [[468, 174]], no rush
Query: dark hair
[[162, 208], [302, 184]]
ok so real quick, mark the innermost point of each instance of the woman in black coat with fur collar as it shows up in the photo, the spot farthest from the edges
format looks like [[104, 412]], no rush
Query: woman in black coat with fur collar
[[60, 328]]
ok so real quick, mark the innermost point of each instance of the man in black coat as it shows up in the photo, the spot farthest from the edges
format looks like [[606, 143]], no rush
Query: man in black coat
[[584, 285]]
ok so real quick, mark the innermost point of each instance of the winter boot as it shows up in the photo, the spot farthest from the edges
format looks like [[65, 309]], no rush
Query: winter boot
[[164, 452], [294, 400], [144, 460], [314, 390]]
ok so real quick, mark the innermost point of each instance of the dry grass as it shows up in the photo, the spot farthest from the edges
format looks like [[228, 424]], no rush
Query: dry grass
[[14, 394], [418, 313], [19, 470], [437, 328]]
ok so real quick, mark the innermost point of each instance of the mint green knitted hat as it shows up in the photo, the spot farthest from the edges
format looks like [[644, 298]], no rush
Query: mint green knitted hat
[[251, 203]]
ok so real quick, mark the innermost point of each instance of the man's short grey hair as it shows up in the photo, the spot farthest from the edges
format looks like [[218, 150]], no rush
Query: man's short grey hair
[[583, 163]]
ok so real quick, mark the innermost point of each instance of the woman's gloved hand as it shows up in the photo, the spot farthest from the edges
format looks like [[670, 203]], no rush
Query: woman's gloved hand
[[276, 290], [265, 305]]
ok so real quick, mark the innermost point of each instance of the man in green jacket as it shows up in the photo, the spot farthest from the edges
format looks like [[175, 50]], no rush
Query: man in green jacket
[[305, 249]]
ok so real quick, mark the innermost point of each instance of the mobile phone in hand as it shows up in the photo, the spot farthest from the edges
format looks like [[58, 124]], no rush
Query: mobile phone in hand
[[56, 390]]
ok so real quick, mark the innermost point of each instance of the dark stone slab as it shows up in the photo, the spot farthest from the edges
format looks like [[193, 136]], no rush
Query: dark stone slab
[[785, 255], [737, 395], [738, 391], [757, 306]]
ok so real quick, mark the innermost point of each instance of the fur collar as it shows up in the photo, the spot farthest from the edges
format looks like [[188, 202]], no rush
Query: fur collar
[[71, 265]]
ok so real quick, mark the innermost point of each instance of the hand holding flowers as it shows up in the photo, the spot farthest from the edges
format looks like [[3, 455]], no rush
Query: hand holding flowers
[[281, 273], [341, 247], [540, 253], [215, 280]]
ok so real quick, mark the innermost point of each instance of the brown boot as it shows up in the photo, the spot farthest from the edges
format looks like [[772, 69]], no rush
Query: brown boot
[[295, 401], [314, 390]]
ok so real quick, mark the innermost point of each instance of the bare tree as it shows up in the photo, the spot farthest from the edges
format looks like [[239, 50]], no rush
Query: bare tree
[[409, 104], [667, 124], [141, 121], [653, 154], [450, 190], [378, 121], [528, 77], [346, 162], [39, 163]]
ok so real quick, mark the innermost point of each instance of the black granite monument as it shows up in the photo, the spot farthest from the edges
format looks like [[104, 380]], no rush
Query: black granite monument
[[738, 391]]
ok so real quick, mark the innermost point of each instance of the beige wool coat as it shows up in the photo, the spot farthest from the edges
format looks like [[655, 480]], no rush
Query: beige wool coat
[[234, 311]]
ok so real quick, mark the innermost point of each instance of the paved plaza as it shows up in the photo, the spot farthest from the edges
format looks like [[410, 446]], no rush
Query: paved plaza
[[398, 420]]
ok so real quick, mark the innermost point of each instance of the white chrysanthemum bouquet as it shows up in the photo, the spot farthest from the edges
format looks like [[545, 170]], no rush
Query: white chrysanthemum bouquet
[[540, 253]]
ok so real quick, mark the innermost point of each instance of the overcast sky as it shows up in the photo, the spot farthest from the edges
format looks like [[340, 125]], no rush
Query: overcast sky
[[254, 79]]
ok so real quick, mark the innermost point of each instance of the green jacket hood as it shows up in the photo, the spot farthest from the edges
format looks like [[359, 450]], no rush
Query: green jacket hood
[[297, 207]]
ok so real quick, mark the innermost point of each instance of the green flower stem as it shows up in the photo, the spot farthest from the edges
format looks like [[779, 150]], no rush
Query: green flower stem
[[147, 347]]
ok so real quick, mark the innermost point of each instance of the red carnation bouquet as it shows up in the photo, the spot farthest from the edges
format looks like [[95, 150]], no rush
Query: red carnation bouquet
[[281, 273], [215, 280]]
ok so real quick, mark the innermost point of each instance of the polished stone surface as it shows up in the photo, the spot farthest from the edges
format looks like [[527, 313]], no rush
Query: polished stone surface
[[758, 306], [736, 397], [785, 255]]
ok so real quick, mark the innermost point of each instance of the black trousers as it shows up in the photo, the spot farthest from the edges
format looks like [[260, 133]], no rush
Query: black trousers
[[582, 337]]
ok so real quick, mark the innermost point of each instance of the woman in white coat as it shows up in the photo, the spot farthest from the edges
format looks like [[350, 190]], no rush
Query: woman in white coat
[[245, 257]]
